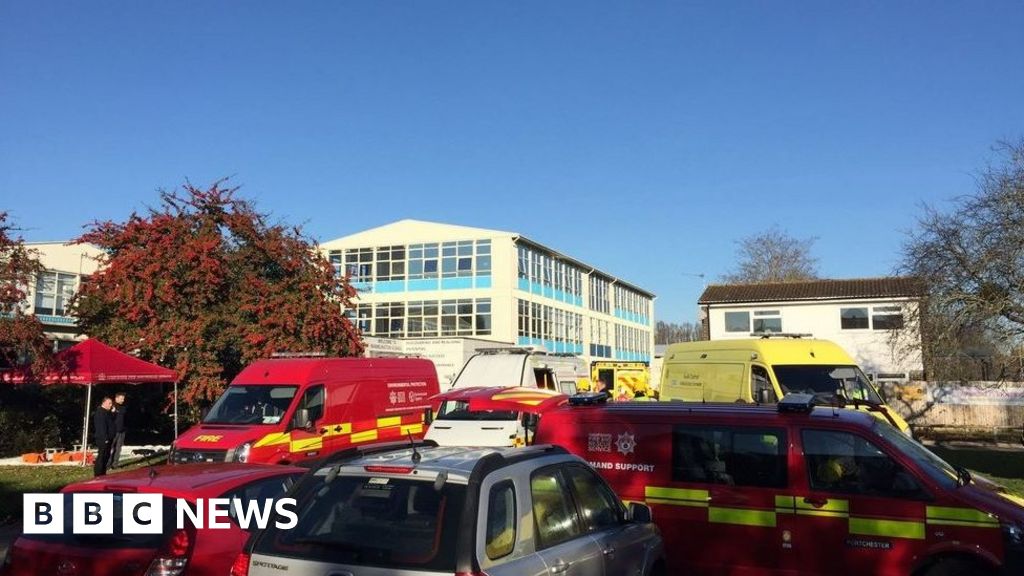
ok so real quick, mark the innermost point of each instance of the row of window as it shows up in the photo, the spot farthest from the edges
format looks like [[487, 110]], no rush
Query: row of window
[[543, 268], [549, 323], [879, 318], [835, 461], [630, 339], [457, 317], [632, 302], [414, 262], [600, 300]]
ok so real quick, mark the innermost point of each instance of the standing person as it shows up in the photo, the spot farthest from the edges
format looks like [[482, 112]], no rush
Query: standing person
[[103, 435], [119, 412]]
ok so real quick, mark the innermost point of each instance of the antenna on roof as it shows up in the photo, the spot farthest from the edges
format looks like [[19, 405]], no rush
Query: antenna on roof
[[416, 456]]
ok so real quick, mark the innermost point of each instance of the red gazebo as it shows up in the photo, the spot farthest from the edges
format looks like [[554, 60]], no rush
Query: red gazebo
[[93, 362]]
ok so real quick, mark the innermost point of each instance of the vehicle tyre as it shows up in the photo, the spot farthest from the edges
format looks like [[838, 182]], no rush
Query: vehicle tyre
[[957, 567]]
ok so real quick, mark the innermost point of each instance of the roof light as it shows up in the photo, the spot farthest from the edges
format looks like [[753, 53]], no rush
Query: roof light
[[389, 469], [588, 398], [796, 404]]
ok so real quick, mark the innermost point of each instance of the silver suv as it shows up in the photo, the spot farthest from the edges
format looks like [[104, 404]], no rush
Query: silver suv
[[423, 509]]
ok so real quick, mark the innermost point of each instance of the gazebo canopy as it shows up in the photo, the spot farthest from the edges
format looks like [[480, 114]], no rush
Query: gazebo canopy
[[93, 362]]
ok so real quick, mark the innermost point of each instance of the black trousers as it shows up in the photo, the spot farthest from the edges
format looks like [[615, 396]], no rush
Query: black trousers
[[99, 466]]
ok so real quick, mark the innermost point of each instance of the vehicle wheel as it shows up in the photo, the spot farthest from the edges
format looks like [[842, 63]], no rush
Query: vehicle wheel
[[957, 567]]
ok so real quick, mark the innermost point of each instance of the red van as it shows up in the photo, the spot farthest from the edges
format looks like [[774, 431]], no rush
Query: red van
[[794, 489], [285, 410]]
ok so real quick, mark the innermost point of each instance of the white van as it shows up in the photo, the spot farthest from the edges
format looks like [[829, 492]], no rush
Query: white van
[[490, 416], [530, 367]]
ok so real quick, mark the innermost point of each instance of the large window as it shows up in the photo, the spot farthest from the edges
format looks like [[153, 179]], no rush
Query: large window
[[359, 264], [390, 263], [599, 294], [887, 317], [733, 456], [423, 261], [767, 321], [737, 321], [846, 463], [501, 520], [54, 291], [853, 318], [553, 510]]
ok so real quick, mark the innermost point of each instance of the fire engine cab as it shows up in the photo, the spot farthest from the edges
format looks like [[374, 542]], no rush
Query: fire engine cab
[[793, 488], [289, 409]]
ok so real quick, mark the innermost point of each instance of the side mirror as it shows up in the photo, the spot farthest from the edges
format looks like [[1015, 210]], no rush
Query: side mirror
[[530, 422], [639, 513], [428, 416], [302, 418]]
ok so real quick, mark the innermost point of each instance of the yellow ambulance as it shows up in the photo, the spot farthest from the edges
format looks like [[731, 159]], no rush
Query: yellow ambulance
[[764, 370]]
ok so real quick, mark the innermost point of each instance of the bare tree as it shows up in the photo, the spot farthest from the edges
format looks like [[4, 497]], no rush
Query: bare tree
[[774, 256], [669, 332], [972, 260]]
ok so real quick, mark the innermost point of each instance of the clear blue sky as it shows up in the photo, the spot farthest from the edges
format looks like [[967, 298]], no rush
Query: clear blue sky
[[642, 137]]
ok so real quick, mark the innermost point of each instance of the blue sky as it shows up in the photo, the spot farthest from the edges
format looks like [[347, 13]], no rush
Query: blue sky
[[641, 137]]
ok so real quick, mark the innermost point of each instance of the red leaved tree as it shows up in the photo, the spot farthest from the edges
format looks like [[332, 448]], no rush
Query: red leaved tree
[[204, 285], [21, 335]]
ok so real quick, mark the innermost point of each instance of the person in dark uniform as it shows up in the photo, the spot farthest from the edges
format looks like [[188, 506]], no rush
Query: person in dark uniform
[[119, 412], [103, 433]]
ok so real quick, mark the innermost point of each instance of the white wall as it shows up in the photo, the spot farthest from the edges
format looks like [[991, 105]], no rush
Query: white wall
[[872, 349]]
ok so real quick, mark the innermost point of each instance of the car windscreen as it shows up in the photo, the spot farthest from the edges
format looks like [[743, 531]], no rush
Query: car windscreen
[[371, 521], [938, 469], [459, 410], [251, 404], [117, 540], [825, 382]]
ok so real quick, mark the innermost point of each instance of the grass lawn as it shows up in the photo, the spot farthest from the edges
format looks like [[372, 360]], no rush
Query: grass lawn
[[1002, 465], [17, 480]]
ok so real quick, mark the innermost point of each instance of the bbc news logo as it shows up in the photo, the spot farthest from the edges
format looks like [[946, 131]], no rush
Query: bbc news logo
[[144, 513]]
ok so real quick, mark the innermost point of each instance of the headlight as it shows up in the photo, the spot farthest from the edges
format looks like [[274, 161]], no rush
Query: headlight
[[1014, 534], [242, 452]]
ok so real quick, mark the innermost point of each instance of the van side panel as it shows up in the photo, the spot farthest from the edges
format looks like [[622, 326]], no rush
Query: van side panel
[[708, 382]]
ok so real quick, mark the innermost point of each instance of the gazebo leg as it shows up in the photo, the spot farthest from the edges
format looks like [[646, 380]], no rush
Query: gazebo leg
[[85, 424]]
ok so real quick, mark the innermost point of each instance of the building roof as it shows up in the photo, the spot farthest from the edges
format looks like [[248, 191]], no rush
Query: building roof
[[848, 289]]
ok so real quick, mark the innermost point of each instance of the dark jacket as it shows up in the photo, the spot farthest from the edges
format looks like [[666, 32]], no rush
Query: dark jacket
[[122, 409], [103, 425]]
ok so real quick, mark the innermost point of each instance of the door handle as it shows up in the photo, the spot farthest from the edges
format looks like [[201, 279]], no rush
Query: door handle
[[816, 501], [560, 566]]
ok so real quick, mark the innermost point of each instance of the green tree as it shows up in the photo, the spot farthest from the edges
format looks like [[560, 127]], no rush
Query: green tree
[[204, 284]]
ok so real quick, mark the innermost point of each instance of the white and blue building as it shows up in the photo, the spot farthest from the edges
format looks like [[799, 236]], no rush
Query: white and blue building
[[429, 280]]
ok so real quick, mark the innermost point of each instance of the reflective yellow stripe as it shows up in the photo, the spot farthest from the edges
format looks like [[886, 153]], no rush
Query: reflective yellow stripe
[[306, 444], [944, 515], [785, 501], [742, 517], [273, 439], [890, 528], [411, 429], [677, 496], [389, 421], [364, 436], [832, 508]]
